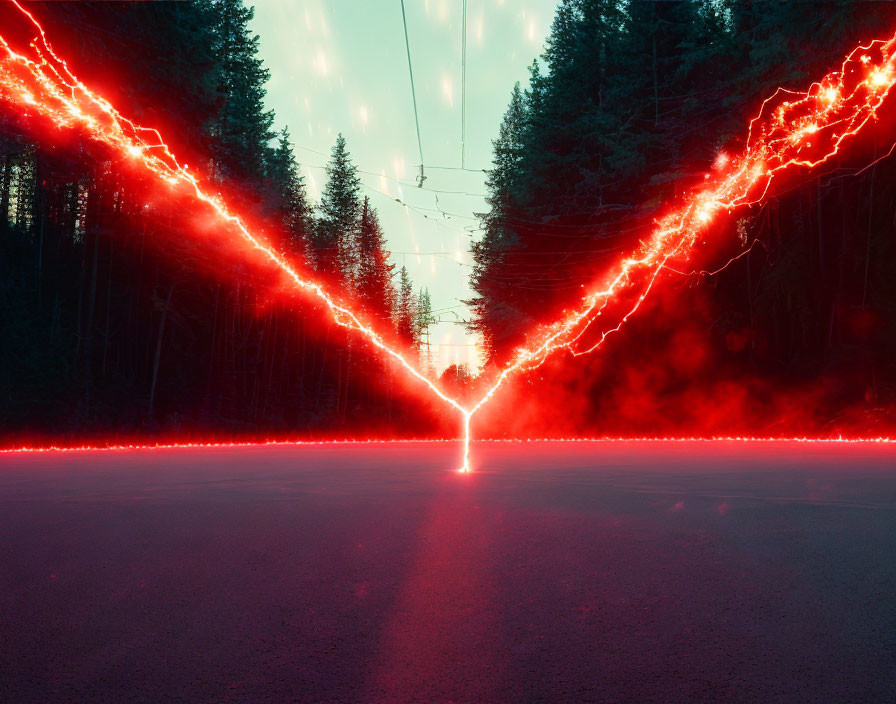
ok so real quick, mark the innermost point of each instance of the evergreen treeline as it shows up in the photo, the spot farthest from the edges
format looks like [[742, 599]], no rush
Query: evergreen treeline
[[627, 108], [113, 321]]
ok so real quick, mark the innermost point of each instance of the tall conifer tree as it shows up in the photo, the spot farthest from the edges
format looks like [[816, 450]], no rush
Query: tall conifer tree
[[335, 240], [406, 310], [290, 201], [243, 130], [374, 281]]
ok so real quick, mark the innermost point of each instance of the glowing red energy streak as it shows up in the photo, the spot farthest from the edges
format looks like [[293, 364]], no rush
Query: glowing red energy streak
[[215, 445], [791, 129], [45, 85]]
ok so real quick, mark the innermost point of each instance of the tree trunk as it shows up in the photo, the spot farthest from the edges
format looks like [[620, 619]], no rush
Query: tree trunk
[[87, 353], [4, 189], [835, 300], [210, 378], [40, 255], [656, 90], [348, 371], [108, 327], [820, 227], [155, 365], [323, 364], [269, 391], [868, 238]]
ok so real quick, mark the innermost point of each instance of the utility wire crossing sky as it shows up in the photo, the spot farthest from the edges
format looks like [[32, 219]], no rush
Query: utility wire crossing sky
[[342, 66]]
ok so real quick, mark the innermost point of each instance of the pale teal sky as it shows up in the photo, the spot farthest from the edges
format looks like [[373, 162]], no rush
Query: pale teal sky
[[341, 66]]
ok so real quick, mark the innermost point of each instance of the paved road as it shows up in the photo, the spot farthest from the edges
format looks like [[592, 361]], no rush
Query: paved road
[[605, 572]]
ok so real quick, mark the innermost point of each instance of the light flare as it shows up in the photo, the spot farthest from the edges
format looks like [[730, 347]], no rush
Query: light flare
[[879, 78]]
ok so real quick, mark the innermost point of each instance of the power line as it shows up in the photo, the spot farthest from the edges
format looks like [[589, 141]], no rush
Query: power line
[[446, 215], [418, 210], [463, 92], [431, 168], [458, 168], [399, 181], [407, 45]]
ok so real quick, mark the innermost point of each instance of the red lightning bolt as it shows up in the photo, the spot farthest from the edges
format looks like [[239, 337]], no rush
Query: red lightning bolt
[[791, 129], [47, 86]]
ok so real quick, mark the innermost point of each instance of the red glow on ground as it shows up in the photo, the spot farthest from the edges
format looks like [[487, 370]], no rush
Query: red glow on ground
[[215, 445]]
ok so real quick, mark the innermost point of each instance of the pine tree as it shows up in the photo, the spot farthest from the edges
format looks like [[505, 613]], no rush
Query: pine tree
[[561, 42], [374, 281], [648, 65], [498, 238], [335, 241], [508, 152], [242, 131], [406, 310], [288, 196], [424, 320], [534, 94]]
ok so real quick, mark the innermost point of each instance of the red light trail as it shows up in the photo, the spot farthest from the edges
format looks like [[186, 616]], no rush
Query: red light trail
[[791, 130], [50, 88]]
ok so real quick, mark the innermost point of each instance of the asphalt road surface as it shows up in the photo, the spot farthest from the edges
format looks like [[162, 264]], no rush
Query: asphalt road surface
[[556, 572]]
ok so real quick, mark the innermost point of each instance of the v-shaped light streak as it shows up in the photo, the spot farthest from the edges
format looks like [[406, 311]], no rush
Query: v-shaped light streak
[[792, 129]]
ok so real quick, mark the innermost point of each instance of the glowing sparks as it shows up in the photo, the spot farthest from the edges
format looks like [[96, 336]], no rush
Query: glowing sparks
[[879, 78], [704, 214]]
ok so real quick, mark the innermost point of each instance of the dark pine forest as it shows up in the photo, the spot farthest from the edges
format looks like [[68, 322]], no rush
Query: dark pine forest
[[115, 324], [630, 105]]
